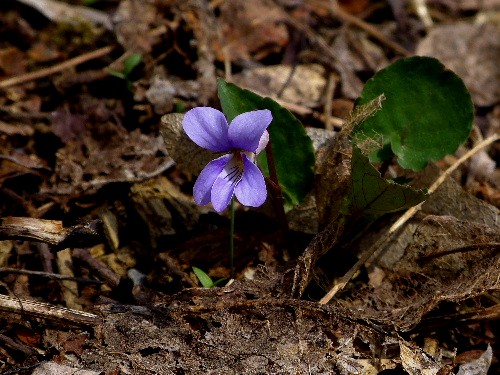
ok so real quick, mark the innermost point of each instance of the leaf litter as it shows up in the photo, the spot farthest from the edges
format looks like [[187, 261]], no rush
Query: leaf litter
[[79, 146]]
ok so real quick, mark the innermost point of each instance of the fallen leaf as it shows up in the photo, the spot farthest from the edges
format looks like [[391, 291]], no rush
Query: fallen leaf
[[190, 157], [250, 29], [163, 90], [415, 361], [6, 248], [53, 368], [89, 163], [472, 51], [12, 61], [303, 84], [134, 21], [57, 11], [436, 257], [479, 366]]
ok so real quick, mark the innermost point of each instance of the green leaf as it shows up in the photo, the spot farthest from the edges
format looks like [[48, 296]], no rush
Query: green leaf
[[427, 113], [205, 280], [131, 63], [372, 194], [292, 148]]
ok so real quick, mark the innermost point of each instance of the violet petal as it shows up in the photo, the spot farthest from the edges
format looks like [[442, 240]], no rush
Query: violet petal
[[202, 189], [224, 185], [251, 190], [246, 129], [208, 128], [263, 141]]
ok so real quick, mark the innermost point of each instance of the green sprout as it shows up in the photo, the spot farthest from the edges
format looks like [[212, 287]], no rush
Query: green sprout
[[129, 65], [205, 280]]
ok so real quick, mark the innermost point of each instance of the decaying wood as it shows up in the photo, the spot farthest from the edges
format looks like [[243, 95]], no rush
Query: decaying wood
[[50, 231]]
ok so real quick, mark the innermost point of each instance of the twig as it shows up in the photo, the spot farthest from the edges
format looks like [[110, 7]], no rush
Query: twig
[[462, 249], [17, 346], [50, 231], [56, 68], [47, 311], [330, 89], [413, 210], [379, 245], [54, 276], [102, 270]]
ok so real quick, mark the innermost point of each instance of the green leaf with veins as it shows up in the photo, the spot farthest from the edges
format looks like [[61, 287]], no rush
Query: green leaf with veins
[[427, 112], [372, 194]]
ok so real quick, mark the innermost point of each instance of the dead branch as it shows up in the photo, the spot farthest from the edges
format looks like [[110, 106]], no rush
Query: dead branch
[[46, 311], [51, 231]]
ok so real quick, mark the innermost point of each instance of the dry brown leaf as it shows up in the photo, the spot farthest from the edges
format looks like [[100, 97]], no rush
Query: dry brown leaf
[[415, 361], [163, 91], [472, 51], [302, 84], [12, 62], [482, 168], [58, 11], [87, 164], [69, 287], [478, 366], [354, 6], [333, 180], [436, 257], [468, 5], [190, 157], [54, 368], [250, 30], [134, 21], [158, 200]]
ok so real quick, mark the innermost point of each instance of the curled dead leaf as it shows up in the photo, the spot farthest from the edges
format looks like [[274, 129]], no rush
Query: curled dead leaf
[[187, 155]]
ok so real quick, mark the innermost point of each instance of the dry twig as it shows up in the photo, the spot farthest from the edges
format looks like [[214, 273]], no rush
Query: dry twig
[[50, 231], [32, 76], [46, 311]]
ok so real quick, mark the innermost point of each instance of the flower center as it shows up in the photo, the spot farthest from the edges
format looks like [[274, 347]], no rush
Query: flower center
[[235, 167]]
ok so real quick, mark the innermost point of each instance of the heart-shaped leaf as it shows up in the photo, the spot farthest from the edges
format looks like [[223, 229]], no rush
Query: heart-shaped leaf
[[426, 115]]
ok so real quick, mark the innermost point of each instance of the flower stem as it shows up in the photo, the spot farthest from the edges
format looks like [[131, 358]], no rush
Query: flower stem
[[279, 201], [231, 239]]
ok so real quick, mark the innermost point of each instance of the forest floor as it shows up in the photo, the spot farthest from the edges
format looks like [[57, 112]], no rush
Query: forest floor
[[99, 231]]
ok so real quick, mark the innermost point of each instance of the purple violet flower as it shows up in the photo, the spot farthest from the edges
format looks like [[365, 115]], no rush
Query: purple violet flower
[[235, 172]]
